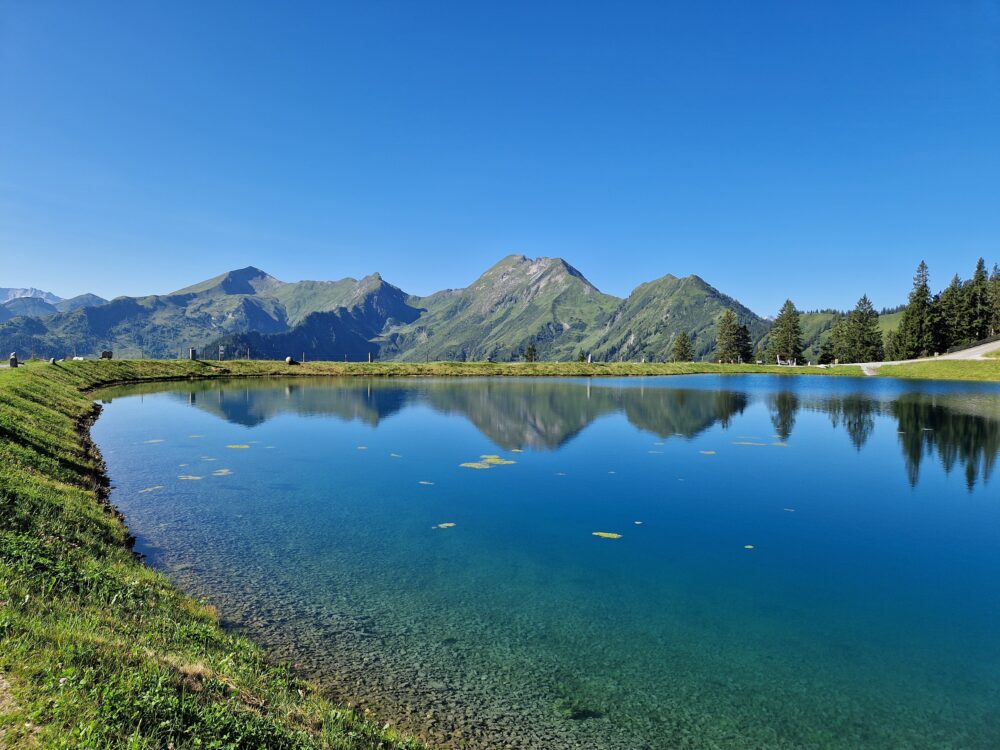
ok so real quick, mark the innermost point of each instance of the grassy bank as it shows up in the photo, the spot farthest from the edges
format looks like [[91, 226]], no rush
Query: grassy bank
[[947, 369], [96, 649]]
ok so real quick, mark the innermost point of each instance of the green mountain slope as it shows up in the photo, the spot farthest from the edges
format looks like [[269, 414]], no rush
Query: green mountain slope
[[517, 301], [79, 302], [645, 324], [33, 307]]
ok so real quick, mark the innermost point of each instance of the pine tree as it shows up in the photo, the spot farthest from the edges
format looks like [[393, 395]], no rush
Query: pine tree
[[977, 304], [744, 345], [786, 335], [916, 331], [950, 317], [863, 337], [682, 350], [894, 350], [728, 341], [531, 353], [995, 301]]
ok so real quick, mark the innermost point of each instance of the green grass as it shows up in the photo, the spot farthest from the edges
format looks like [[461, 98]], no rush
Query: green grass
[[947, 369], [99, 651]]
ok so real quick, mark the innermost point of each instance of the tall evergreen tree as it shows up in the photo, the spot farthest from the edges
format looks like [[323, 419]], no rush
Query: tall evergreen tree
[[744, 344], [863, 336], [682, 350], [995, 301], [950, 317], [916, 329], [531, 353], [977, 303], [786, 334], [727, 343]]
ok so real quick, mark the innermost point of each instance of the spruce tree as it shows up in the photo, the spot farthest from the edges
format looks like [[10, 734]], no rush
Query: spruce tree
[[916, 331], [864, 338], [531, 353], [682, 350], [977, 303], [995, 301], [786, 335], [744, 345], [728, 341], [951, 315]]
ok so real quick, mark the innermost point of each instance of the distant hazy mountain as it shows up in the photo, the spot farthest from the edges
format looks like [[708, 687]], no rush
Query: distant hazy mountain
[[33, 307], [7, 294], [79, 302], [516, 302]]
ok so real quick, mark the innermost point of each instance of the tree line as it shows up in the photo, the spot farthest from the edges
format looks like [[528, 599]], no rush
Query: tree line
[[965, 312]]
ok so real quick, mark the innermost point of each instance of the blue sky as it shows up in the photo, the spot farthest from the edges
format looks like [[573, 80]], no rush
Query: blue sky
[[816, 150]]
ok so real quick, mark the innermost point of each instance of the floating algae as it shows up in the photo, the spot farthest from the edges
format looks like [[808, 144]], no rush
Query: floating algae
[[189, 478], [394, 455], [637, 523], [222, 472], [425, 483], [474, 465], [154, 488], [238, 446], [747, 546], [181, 466], [208, 458], [656, 452], [746, 442], [780, 445], [607, 535], [789, 510], [516, 450], [362, 447], [444, 526], [155, 440], [497, 461], [707, 453], [195, 437]]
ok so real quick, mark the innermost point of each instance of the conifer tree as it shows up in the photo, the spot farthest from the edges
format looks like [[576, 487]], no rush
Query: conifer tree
[[786, 334], [977, 303], [950, 315], [728, 340], [916, 331], [531, 353], [863, 337], [682, 350], [995, 301]]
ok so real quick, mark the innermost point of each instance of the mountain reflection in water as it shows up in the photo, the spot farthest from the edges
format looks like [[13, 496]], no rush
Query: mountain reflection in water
[[962, 429]]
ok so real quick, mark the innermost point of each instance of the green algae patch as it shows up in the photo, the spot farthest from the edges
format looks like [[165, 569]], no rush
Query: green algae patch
[[475, 465], [222, 473], [707, 453], [448, 525], [497, 461], [238, 446], [747, 442], [607, 534], [154, 488], [188, 478]]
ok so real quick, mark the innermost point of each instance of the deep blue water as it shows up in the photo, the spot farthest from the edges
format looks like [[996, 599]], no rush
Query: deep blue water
[[803, 562]]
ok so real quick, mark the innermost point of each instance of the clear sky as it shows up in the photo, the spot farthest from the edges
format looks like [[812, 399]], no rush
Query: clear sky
[[816, 150]]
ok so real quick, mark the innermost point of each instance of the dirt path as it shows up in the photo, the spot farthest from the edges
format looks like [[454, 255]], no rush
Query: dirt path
[[975, 352]]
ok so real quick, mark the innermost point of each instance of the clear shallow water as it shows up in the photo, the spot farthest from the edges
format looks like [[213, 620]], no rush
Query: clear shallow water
[[866, 613]]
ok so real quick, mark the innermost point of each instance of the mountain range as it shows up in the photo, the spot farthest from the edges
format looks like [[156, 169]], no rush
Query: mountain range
[[517, 302]]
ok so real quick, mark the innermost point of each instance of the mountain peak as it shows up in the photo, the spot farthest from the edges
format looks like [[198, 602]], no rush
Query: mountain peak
[[249, 280], [8, 294]]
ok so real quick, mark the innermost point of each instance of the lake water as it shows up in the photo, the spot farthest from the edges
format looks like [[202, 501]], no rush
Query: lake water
[[802, 562]]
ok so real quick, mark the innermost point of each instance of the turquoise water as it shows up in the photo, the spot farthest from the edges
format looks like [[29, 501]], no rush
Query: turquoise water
[[803, 562]]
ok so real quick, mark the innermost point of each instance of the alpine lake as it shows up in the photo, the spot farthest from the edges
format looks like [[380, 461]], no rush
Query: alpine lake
[[622, 564]]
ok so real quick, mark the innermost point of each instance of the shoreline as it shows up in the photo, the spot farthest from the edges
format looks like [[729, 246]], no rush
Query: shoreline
[[59, 527]]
